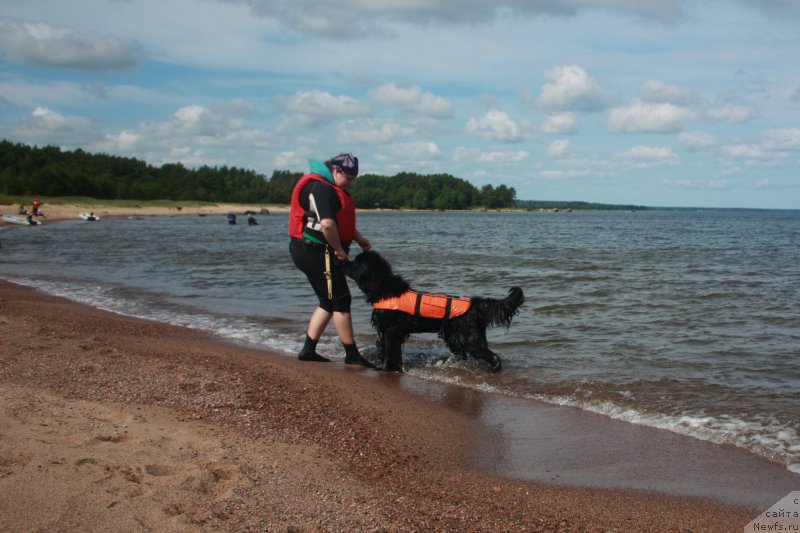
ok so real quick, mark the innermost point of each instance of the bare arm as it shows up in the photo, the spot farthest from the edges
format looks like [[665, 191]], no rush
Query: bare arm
[[331, 232], [363, 241]]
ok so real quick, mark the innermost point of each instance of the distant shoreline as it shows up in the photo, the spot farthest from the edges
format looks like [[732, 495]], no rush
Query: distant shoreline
[[69, 211], [55, 212]]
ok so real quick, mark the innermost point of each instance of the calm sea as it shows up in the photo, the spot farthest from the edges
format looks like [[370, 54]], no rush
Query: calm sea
[[687, 321]]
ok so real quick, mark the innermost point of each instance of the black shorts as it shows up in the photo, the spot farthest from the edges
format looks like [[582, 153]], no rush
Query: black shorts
[[310, 259]]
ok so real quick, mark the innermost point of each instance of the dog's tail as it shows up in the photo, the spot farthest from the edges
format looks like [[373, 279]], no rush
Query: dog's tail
[[500, 312]]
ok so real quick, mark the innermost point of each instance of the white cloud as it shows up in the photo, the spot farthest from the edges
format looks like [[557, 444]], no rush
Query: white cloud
[[558, 174], [495, 125], [646, 152], [195, 121], [289, 159], [125, 141], [370, 131], [557, 148], [420, 151], [756, 155], [748, 151], [51, 94], [464, 154], [45, 45], [560, 123], [576, 167], [729, 169], [716, 185], [648, 156], [411, 98], [504, 157], [696, 140], [660, 92], [571, 87], [781, 139], [474, 155], [319, 107], [349, 19], [649, 117], [774, 150], [44, 126], [776, 8], [731, 114], [194, 135]]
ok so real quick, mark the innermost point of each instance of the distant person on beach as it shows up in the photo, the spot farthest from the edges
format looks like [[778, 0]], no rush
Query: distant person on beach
[[322, 225], [36, 206]]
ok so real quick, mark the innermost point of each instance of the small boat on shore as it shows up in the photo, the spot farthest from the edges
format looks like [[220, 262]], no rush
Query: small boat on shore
[[89, 217], [21, 220]]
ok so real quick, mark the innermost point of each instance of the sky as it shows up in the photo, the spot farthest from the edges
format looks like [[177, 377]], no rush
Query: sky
[[684, 103]]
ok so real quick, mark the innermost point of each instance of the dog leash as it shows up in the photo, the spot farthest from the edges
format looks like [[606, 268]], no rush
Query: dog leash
[[328, 275]]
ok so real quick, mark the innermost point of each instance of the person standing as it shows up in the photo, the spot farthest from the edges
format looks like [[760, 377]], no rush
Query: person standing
[[322, 225]]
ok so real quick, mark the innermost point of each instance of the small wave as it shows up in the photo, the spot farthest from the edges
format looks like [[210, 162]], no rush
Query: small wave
[[565, 308], [234, 329], [764, 436]]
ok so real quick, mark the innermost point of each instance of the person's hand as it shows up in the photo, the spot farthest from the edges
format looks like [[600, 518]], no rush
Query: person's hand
[[341, 255], [365, 244]]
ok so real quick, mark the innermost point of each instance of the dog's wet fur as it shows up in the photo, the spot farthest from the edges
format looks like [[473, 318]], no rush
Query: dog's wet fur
[[464, 335]]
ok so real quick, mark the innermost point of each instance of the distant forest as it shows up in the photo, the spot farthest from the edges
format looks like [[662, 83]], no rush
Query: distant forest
[[534, 205], [49, 171]]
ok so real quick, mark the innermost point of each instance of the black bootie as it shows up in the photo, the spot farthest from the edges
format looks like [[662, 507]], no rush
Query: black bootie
[[309, 352], [354, 357]]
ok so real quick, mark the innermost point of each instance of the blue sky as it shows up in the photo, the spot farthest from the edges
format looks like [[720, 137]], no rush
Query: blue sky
[[662, 103]]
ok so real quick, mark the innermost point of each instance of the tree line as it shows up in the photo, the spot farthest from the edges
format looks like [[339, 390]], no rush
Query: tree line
[[533, 205], [48, 171]]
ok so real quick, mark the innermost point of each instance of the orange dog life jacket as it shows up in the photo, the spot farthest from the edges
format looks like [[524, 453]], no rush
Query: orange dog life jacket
[[426, 305]]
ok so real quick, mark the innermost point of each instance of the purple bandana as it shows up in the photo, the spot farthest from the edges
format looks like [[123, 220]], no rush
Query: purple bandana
[[347, 163]]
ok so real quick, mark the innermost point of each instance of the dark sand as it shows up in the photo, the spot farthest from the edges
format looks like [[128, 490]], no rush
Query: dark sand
[[109, 423]]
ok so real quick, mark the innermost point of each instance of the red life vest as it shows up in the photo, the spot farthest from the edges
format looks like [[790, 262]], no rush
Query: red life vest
[[426, 305], [345, 218]]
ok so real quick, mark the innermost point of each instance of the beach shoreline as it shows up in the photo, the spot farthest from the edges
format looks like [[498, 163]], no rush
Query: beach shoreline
[[119, 424], [56, 212]]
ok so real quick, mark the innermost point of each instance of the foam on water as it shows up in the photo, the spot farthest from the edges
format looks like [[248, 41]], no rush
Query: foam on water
[[765, 436], [231, 329]]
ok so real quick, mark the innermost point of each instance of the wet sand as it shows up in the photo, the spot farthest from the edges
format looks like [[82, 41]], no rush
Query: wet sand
[[109, 423]]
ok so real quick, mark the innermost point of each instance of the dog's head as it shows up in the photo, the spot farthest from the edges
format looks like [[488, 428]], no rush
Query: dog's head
[[366, 268], [374, 276]]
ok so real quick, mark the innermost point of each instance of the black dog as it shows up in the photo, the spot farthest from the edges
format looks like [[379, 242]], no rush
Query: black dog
[[464, 334]]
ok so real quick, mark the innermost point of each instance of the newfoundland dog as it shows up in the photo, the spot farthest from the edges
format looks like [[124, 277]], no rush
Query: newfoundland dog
[[399, 311]]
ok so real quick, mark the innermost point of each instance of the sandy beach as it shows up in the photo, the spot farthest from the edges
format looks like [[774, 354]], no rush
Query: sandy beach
[[55, 212], [111, 423]]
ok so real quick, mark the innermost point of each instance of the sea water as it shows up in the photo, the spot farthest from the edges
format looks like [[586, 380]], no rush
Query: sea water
[[687, 321]]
